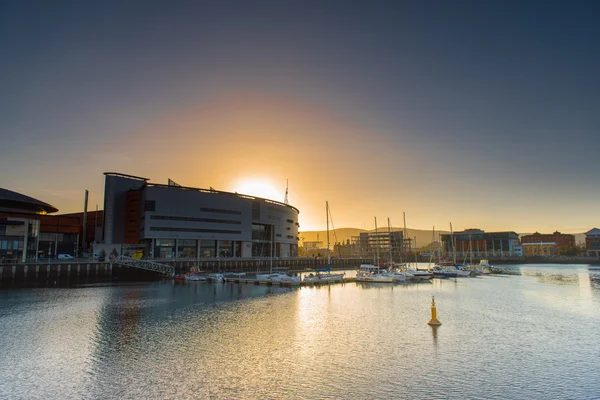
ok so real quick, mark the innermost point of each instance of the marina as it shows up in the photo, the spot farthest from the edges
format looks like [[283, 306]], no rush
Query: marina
[[502, 336]]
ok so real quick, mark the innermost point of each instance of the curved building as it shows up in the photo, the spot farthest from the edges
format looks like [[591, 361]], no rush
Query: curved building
[[20, 225], [16, 202], [172, 221]]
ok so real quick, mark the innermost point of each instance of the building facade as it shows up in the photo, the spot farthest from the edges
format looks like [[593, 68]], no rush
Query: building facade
[[539, 249], [172, 221], [479, 243], [561, 240], [592, 243], [371, 244]]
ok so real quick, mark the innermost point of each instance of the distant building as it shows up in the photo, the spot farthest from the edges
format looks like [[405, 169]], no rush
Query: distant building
[[348, 249], [312, 246], [539, 249], [369, 244], [518, 251], [560, 239], [592, 243], [481, 244]]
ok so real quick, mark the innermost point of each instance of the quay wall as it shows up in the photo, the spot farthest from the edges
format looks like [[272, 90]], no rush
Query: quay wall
[[108, 271]]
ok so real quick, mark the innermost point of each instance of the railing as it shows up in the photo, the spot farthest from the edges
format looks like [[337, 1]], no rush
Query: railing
[[145, 264]]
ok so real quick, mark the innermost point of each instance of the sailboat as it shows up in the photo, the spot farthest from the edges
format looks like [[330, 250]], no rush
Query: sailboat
[[325, 276], [398, 272], [415, 273], [449, 269], [277, 275], [372, 273]]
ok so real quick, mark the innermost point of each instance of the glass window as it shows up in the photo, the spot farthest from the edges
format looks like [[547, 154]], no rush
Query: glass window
[[186, 248], [225, 248], [207, 248]]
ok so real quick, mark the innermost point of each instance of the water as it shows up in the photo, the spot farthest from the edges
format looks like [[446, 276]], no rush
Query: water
[[518, 337]]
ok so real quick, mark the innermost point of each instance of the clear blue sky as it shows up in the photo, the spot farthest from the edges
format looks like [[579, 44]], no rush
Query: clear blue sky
[[483, 113]]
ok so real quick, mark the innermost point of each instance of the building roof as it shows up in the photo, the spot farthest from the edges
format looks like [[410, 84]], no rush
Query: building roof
[[10, 200], [214, 191], [593, 233]]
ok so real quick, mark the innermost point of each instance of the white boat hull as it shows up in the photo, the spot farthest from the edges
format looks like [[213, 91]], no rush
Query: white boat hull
[[321, 278], [376, 278]]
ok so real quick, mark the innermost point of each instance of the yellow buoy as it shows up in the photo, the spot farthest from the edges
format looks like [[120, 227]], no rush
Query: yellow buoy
[[433, 321]]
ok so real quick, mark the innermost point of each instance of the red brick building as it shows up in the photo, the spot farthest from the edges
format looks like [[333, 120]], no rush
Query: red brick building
[[561, 239]]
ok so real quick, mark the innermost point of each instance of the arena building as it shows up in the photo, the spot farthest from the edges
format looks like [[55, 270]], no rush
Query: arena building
[[173, 221]]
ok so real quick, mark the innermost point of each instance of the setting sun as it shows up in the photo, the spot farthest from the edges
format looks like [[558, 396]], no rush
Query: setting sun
[[259, 188]]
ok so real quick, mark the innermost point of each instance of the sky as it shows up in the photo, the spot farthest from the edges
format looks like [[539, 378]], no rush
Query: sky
[[483, 114]]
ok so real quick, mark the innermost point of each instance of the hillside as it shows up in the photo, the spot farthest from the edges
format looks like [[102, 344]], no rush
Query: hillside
[[341, 235]]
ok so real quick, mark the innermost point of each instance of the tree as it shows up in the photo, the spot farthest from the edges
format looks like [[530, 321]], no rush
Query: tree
[[569, 251]]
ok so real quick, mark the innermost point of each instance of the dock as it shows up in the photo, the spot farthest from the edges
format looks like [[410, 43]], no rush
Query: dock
[[254, 281]]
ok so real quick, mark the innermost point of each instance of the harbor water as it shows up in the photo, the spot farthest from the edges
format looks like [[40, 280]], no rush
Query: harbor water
[[527, 336]]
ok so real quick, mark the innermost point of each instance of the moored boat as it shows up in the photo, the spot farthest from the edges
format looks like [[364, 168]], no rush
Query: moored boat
[[325, 276], [372, 273], [285, 279]]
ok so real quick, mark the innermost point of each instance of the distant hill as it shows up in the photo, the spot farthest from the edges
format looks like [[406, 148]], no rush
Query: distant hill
[[424, 237]]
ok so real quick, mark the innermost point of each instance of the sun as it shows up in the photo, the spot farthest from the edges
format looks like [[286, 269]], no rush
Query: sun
[[259, 188]]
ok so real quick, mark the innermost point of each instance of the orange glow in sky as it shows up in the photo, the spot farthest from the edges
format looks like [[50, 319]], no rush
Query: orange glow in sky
[[259, 188]]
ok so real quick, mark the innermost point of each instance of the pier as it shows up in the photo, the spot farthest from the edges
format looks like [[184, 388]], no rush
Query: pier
[[253, 281]]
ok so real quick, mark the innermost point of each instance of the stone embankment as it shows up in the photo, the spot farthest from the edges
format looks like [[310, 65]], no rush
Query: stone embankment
[[81, 270]]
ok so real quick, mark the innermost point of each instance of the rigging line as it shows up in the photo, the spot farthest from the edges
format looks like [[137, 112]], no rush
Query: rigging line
[[398, 248], [334, 234]]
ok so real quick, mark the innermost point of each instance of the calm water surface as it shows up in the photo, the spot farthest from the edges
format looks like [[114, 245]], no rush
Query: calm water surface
[[530, 336]]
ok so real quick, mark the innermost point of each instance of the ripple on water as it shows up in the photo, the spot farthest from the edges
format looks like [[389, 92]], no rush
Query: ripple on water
[[510, 337]]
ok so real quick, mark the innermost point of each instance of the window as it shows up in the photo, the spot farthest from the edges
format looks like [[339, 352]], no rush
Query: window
[[150, 205], [255, 209]]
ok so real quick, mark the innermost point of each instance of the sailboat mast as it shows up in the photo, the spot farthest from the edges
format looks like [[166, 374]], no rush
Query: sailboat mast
[[453, 245], [470, 251], [272, 238], [390, 240], [377, 241], [416, 253], [328, 253], [404, 238], [432, 248]]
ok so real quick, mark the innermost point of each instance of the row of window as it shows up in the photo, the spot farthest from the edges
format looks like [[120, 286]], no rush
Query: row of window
[[150, 205], [193, 219], [11, 245], [195, 230], [221, 211]]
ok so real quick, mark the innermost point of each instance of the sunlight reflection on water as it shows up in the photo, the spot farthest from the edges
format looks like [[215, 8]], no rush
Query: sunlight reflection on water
[[526, 336]]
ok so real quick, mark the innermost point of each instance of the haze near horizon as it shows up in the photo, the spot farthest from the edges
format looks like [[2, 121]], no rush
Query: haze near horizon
[[483, 114]]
